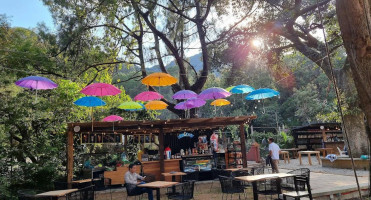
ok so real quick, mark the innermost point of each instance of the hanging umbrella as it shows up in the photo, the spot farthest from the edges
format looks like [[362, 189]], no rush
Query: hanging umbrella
[[184, 106], [262, 93], [131, 106], [220, 102], [100, 89], [36, 83], [184, 94], [214, 93], [241, 89], [90, 102], [195, 102], [229, 88], [159, 79], [156, 105], [148, 96], [113, 119]]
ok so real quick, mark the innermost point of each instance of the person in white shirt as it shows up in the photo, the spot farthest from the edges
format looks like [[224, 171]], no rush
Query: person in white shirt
[[131, 181], [274, 153]]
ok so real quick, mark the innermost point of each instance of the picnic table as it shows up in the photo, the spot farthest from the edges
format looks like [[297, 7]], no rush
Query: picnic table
[[254, 179], [157, 185], [325, 151], [55, 194], [293, 150], [309, 153]]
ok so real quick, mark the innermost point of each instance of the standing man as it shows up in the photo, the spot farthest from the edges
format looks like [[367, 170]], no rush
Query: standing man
[[274, 153], [131, 181]]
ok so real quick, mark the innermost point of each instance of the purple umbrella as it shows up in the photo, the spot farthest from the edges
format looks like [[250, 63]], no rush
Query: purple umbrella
[[214, 93], [195, 102], [36, 83], [183, 106], [184, 94]]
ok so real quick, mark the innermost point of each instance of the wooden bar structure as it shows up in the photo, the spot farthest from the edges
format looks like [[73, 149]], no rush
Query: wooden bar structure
[[157, 127]]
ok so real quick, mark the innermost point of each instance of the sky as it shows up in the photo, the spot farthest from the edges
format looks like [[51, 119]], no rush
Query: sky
[[26, 13]]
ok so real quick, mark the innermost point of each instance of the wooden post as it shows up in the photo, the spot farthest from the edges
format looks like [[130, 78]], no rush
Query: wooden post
[[324, 136], [69, 158], [243, 145], [161, 149], [125, 143]]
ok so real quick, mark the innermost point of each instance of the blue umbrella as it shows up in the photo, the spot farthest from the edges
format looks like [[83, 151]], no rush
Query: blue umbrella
[[241, 89], [262, 93], [90, 102]]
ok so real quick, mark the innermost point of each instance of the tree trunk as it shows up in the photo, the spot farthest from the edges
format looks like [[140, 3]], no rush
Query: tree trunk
[[354, 24]]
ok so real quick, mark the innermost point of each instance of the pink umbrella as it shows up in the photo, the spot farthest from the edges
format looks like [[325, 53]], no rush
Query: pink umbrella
[[101, 89], [214, 93], [184, 94], [148, 96], [113, 118]]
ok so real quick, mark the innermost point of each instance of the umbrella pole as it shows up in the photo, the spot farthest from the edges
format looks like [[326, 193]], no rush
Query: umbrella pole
[[92, 120], [263, 107], [37, 82]]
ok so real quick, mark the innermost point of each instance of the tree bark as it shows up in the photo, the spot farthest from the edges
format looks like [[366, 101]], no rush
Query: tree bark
[[354, 24]]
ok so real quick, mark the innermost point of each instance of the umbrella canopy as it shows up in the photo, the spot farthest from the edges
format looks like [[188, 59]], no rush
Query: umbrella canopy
[[195, 102], [90, 102], [182, 106], [220, 102], [100, 89], [156, 105], [241, 89], [148, 96], [36, 83], [214, 93], [112, 118], [159, 79], [262, 93], [229, 88], [184, 94], [131, 106]]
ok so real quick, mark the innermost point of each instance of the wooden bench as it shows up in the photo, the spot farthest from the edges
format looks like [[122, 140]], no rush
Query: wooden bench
[[309, 153]]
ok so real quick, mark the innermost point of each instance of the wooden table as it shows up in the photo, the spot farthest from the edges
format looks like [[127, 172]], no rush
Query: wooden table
[[254, 179], [325, 150], [309, 153], [174, 174], [56, 193], [285, 155], [236, 169], [293, 150], [157, 185]]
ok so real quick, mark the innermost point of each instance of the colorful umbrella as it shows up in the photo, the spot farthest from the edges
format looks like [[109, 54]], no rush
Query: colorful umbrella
[[195, 102], [220, 102], [36, 83], [262, 93], [159, 79], [182, 106], [131, 106], [100, 89], [90, 102], [241, 89], [156, 105], [214, 93], [184, 94], [229, 88], [113, 118], [148, 96]]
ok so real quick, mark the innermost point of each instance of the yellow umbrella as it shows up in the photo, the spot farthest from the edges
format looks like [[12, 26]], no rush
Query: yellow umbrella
[[220, 102], [159, 79], [156, 105]]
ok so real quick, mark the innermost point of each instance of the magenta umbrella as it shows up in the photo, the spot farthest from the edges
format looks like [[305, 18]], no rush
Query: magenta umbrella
[[184, 94], [214, 93], [148, 96], [100, 89], [113, 118], [36, 83]]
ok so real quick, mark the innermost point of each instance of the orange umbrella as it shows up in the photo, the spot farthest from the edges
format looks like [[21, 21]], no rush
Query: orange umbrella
[[220, 102], [156, 105], [159, 79]]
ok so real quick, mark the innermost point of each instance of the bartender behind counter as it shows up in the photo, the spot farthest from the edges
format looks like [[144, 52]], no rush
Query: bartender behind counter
[[131, 179]]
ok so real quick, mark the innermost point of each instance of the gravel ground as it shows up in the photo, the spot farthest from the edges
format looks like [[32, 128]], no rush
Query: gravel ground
[[294, 164]]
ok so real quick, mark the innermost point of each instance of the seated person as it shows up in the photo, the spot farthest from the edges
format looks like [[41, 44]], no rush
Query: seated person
[[131, 180]]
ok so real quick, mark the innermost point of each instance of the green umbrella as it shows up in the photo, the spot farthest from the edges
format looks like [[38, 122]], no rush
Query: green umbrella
[[229, 88], [131, 106]]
